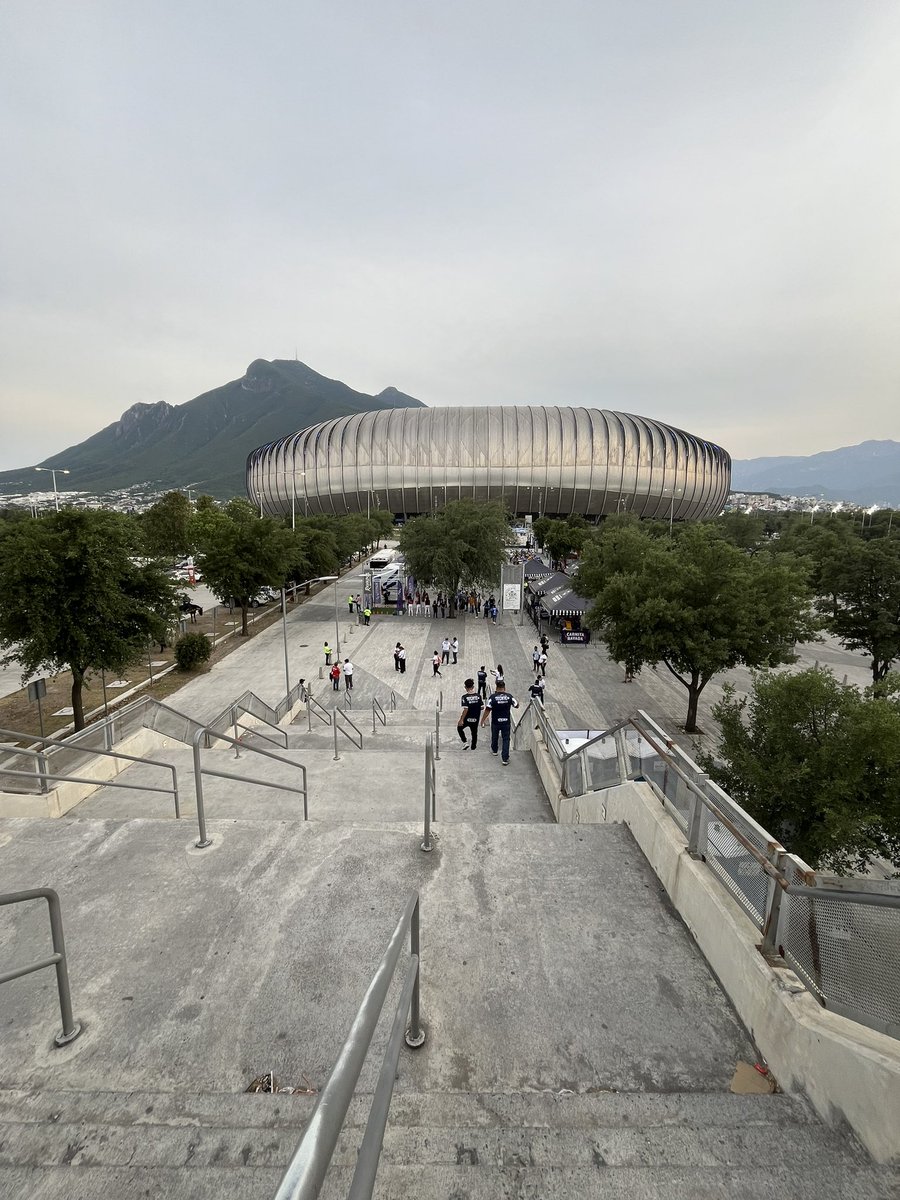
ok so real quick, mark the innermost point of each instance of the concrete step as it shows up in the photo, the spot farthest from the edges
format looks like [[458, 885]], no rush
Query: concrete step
[[99, 1145], [458, 1183], [476, 1111]]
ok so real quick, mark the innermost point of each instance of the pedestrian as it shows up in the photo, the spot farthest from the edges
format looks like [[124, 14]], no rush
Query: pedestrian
[[436, 665], [454, 650], [327, 655], [494, 613], [358, 605], [445, 650], [350, 602], [542, 662], [499, 681], [397, 657], [472, 705], [545, 642], [335, 674], [535, 657], [486, 608], [499, 707], [482, 682], [537, 689], [367, 615], [401, 658], [348, 675]]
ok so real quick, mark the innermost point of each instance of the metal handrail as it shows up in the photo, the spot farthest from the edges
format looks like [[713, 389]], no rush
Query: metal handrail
[[247, 728], [70, 1027], [393, 700], [43, 774], [430, 795], [200, 771], [377, 711], [337, 729], [348, 698], [315, 709], [307, 1169], [439, 703], [437, 735]]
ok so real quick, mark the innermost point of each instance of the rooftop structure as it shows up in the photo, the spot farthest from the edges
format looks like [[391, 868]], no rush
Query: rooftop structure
[[535, 459]]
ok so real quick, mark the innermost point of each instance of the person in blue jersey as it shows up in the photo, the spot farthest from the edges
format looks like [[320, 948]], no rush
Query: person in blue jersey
[[472, 705], [499, 709], [482, 682]]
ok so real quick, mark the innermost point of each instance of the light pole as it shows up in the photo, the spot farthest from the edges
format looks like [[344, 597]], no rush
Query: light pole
[[294, 499], [53, 470], [306, 582]]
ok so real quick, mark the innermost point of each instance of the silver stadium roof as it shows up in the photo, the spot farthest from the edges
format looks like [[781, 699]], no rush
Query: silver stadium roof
[[536, 459]]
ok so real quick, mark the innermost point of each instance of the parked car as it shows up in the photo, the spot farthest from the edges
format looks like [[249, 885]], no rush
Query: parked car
[[265, 595]]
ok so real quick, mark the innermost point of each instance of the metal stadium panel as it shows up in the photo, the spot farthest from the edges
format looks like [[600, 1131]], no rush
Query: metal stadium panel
[[538, 460]]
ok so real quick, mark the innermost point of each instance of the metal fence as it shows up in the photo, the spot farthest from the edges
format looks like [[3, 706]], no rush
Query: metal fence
[[845, 946]]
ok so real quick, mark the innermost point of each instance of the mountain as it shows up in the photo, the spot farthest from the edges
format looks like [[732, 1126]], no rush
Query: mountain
[[865, 474], [205, 442]]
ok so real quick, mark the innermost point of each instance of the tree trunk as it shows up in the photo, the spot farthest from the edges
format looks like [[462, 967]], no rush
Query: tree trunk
[[694, 690], [244, 630], [77, 697]]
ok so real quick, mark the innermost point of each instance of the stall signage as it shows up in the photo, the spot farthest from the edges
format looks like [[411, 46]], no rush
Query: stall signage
[[569, 637]]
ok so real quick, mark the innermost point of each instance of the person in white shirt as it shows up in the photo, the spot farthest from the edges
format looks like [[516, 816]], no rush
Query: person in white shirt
[[542, 662], [348, 675], [454, 646], [445, 651]]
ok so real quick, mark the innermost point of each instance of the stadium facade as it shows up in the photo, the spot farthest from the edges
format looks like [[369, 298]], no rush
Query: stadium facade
[[538, 460]]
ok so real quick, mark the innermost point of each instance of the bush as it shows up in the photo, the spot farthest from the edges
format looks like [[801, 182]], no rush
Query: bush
[[192, 650]]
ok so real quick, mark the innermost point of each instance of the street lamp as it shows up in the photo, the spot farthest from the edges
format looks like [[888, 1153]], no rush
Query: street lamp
[[294, 500], [53, 470], [318, 579]]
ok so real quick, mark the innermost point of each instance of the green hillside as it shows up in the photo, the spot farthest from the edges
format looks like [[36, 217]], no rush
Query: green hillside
[[205, 442]]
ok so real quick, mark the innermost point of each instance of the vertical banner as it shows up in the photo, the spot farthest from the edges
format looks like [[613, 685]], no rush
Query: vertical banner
[[510, 589]]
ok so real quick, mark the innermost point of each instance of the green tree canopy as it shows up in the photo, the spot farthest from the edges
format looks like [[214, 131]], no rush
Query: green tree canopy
[[865, 609], [694, 602], [167, 527], [74, 596], [462, 544], [241, 552], [817, 764]]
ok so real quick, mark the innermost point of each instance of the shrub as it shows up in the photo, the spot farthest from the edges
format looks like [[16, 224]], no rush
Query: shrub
[[192, 650]]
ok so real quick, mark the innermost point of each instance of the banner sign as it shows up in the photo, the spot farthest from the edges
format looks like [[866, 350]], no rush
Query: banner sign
[[512, 597], [570, 637]]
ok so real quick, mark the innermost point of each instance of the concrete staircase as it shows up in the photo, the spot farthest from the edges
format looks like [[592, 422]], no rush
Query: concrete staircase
[[578, 1044], [438, 1145]]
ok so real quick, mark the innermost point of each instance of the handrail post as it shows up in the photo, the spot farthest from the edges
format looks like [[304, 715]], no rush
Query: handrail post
[[71, 1028], [373, 714], [337, 757], [415, 1035], [41, 763], [437, 735], [175, 793], [697, 822], [427, 844], [204, 840], [773, 920], [234, 722]]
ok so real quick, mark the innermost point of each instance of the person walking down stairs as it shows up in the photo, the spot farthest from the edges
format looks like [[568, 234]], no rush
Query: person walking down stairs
[[471, 711], [436, 665], [499, 709]]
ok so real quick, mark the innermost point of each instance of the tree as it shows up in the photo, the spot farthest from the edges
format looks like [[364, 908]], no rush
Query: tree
[[241, 552], [561, 539], [865, 582], [167, 527], [464, 543], [693, 602], [75, 597], [817, 764]]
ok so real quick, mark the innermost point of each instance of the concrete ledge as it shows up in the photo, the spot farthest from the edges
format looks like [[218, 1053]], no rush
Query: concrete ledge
[[849, 1072], [64, 796]]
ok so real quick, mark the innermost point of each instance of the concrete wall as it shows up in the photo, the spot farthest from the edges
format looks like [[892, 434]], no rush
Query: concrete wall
[[848, 1071], [64, 796]]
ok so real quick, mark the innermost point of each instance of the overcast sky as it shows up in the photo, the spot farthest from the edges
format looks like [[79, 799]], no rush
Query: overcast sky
[[686, 210]]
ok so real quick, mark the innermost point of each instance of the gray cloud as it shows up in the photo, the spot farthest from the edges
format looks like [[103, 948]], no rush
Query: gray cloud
[[685, 210]]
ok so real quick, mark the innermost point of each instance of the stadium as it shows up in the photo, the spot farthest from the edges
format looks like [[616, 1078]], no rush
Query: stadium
[[537, 460]]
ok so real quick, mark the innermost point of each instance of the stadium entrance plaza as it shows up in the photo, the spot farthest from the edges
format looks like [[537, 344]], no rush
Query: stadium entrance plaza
[[554, 970]]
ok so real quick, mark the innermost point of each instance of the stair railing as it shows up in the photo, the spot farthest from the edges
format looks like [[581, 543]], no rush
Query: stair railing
[[393, 700], [338, 728], [437, 735], [306, 1171], [70, 1027], [430, 795], [378, 713], [200, 771], [43, 774], [315, 709], [239, 729]]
